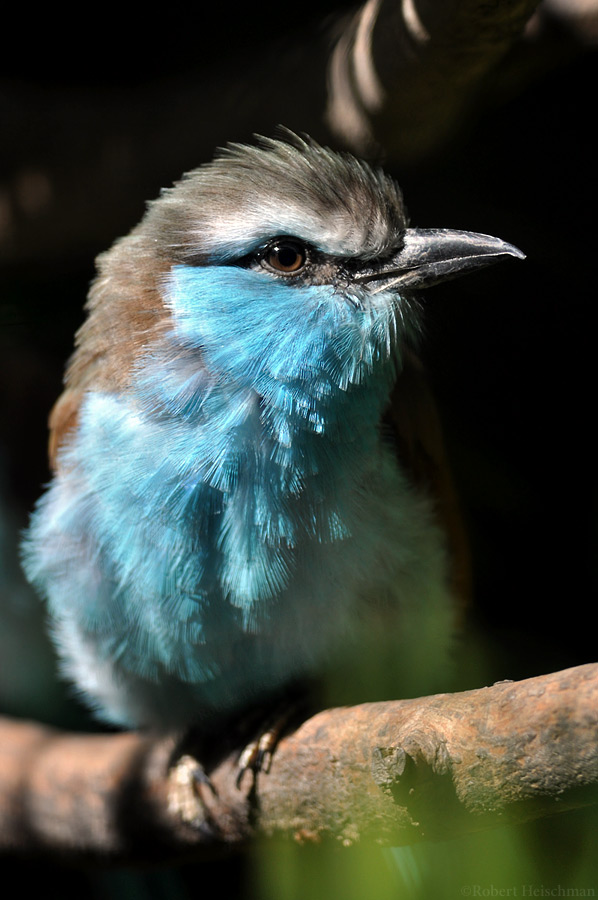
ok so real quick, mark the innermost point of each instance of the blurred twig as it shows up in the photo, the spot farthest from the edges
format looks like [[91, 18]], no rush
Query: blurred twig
[[402, 75]]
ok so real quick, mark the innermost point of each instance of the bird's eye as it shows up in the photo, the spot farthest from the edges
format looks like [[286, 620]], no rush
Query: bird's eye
[[287, 257]]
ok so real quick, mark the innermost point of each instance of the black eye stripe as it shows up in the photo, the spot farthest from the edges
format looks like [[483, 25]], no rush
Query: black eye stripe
[[289, 257]]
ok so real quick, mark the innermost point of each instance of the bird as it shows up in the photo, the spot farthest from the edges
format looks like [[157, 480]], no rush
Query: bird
[[232, 500]]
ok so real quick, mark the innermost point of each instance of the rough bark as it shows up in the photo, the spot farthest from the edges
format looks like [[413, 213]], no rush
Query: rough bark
[[396, 772]]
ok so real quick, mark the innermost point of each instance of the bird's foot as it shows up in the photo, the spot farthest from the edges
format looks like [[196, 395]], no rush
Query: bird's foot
[[256, 757], [188, 782]]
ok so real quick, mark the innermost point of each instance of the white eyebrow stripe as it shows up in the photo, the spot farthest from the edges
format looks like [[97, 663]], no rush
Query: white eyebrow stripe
[[237, 234]]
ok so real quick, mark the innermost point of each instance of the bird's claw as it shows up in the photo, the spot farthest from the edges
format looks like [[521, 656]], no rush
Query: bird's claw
[[185, 799], [257, 755]]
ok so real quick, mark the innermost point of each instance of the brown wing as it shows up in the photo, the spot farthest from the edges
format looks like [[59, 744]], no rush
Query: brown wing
[[63, 418], [126, 313], [417, 430]]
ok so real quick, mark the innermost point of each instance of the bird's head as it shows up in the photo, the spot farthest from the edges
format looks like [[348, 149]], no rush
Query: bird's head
[[277, 262]]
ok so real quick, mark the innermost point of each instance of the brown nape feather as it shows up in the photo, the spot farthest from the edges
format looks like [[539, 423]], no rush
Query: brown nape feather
[[126, 313], [62, 421], [417, 431]]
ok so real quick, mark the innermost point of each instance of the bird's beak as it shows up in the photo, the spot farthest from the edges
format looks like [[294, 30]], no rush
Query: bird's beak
[[430, 255]]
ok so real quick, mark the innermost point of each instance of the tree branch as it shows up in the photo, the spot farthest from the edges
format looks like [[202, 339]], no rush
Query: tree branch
[[398, 772]]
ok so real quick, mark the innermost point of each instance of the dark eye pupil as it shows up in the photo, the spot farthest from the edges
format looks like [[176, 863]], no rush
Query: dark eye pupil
[[287, 257]]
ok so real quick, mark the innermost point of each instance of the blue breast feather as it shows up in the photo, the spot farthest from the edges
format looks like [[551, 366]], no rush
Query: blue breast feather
[[204, 525]]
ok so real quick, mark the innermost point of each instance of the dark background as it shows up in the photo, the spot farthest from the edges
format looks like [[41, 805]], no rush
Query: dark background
[[510, 350]]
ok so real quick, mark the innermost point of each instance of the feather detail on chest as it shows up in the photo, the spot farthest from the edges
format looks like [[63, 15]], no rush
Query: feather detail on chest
[[254, 445]]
